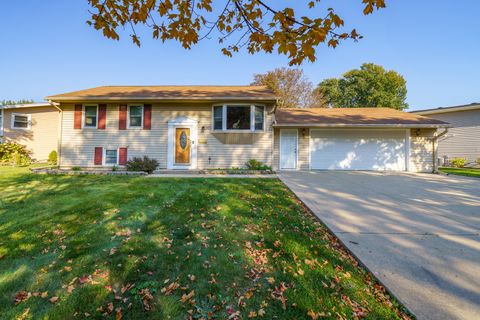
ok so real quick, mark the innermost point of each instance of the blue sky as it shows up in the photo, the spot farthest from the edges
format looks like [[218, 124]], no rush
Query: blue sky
[[48, 48]]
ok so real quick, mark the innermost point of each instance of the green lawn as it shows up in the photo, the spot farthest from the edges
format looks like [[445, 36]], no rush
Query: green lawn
[[468, 172], [74, 247]]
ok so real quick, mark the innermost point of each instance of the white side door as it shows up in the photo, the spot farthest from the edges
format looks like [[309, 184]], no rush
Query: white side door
[[288, 148]]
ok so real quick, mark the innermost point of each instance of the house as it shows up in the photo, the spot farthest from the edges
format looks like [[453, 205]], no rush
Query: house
[[463, 139], [202, 127], [34, 125]]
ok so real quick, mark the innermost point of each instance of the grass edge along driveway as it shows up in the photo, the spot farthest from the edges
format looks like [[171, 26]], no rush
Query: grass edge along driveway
[[128, 247], [466, 172]]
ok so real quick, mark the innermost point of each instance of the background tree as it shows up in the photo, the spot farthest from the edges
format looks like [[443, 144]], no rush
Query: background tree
[[251, 24], [369, 86], [12, 102], [292, 88]]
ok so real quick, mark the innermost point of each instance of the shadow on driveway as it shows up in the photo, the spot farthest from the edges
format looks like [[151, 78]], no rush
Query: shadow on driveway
[[418, 233]]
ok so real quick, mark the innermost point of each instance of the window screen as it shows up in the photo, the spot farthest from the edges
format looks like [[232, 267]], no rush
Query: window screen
[[20, 121], [136, 114], [90, 116], [217, 118], [110, 156], [259, 117]]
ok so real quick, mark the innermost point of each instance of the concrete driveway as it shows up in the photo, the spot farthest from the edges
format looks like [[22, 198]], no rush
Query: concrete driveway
[[418, 233]]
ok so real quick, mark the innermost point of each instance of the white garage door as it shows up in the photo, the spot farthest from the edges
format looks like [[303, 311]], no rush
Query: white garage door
[[357, 150]]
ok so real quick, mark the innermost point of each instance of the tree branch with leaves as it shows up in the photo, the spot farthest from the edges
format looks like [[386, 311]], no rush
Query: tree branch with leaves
[[252, 25]]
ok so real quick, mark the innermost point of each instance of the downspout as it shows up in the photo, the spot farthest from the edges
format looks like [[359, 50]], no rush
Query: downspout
[[59, 134], [274, 122], [434, 141]]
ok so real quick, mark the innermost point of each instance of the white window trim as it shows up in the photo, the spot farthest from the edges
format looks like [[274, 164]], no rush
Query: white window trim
[[252, 117], [128, 116], [83, 116], [29, 119], [104, 157]]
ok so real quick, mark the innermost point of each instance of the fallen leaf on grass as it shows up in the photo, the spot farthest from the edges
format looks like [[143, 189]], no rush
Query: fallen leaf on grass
[[170, 288], [146, 298], [24, 315], [315, 315], [118, 314], [21, 296], [187, 297], [83, 279]]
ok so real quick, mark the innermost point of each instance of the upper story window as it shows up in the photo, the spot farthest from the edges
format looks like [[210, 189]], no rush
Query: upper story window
[[238, 117], [90, 116], [135, 116], [21, 121]]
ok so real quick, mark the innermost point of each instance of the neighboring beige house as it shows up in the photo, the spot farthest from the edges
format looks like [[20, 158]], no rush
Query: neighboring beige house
[[34, 125], [206, 127], [463, 139]]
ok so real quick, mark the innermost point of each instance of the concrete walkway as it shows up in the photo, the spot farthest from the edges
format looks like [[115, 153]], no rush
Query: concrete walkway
[[418, 233]]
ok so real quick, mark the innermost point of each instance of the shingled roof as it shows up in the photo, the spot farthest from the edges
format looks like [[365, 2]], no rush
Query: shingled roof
[[352, 117], [260, 93]]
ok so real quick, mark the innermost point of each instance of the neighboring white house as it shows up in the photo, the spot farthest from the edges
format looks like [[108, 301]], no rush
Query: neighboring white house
[[463, 139]]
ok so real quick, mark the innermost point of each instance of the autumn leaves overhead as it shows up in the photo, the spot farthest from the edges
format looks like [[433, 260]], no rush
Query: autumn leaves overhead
[[251, 25]]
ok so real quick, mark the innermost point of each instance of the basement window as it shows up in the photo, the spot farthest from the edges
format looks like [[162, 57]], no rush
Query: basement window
[[111, 157]]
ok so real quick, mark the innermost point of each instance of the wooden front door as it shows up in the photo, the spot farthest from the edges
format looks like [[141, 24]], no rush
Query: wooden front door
[[182, 145]]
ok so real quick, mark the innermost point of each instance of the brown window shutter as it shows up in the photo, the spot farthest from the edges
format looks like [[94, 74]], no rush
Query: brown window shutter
[[77, 117], [122, 117], [147, 117], [122, 156], [98, 156], [102, 116]]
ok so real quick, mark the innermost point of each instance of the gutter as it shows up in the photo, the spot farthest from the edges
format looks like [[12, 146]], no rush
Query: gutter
[[434, 146], [343, 125]]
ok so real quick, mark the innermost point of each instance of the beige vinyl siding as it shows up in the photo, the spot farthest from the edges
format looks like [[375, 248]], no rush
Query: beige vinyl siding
[[421, 150], [78, 145], [304, 149], [42, 137], [463, 140]]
